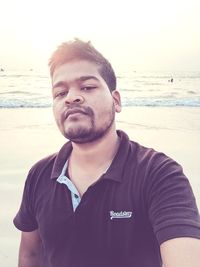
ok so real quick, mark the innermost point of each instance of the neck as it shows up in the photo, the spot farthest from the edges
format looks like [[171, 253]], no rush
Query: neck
[[98, 153]]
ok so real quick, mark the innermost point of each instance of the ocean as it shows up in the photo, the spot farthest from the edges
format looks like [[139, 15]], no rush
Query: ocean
[[32, 89]]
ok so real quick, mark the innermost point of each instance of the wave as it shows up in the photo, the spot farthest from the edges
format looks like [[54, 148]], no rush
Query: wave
[[10, 75], [162, 102], [30, 89], [127, 102], [18, 93], [38, 102], [191, 92], [24, 105]]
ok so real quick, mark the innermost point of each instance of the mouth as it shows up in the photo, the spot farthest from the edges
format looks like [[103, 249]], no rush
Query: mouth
[[73, 112]]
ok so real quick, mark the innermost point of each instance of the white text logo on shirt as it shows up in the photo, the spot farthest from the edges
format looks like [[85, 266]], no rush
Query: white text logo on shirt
[[120, 214]]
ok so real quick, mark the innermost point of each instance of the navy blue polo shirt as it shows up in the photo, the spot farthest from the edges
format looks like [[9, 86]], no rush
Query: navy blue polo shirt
[[141, 201]]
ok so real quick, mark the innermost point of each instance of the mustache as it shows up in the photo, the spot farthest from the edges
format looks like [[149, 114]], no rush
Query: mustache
[[77, 109]]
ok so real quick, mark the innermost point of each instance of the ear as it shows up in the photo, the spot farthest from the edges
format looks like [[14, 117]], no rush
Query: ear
[[117, 100]]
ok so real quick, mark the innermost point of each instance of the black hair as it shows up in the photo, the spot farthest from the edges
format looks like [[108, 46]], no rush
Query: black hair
[[78, 49]]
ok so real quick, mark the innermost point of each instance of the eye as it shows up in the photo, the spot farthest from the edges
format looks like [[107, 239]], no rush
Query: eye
[[60, 94], [88, 88]]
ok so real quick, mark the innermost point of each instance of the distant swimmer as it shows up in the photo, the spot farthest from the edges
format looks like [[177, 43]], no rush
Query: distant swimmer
[[171, 80]]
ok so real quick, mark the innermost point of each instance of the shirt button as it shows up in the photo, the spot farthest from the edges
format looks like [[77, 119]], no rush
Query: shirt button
[[76, 196]]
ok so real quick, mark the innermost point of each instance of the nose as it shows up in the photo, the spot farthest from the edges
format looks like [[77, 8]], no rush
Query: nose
[[73, 98]]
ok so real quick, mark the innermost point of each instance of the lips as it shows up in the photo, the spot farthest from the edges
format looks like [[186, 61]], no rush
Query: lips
[[74, 111]]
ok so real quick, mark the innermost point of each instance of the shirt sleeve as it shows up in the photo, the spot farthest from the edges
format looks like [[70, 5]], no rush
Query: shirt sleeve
[[25, 219], [171, 203]]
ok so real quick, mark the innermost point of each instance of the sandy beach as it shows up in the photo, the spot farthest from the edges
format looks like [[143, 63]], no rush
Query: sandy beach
[[30, 134]]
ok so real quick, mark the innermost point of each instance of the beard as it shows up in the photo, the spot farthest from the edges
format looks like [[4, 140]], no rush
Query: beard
[[89, 132]]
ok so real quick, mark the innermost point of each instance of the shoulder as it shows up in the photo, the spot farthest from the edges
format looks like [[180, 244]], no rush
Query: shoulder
[[42, 166], [147, 161], [153, 160], [44, 162], [164, 192], [159, 170], [51, 165]]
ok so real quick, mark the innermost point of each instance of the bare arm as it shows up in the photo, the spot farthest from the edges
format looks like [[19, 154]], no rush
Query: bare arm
[[181, 252], [30, 249]]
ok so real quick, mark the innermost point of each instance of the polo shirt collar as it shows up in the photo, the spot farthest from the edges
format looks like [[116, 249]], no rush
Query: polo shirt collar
[[114, 172], [61, 159], [116, 169]]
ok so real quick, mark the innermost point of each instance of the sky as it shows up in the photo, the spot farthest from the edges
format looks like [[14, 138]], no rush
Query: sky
[[138, 34]]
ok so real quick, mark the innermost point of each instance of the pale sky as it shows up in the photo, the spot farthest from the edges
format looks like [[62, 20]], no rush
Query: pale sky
[[143, 34]]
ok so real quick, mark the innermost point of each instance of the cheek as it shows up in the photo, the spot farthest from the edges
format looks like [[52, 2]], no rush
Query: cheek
[[56, 112], [102, 109], [103, 102]]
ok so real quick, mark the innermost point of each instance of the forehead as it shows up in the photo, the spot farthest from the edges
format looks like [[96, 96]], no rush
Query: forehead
[[73, 70]]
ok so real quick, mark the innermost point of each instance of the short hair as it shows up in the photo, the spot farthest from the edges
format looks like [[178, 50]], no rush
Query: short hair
[[78, 49]]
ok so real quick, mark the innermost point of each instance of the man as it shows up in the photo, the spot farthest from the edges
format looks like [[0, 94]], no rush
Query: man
[[102, 200]]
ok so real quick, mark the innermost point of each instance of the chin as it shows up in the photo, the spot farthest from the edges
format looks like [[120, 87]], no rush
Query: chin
[[86, 135], [78, 134]]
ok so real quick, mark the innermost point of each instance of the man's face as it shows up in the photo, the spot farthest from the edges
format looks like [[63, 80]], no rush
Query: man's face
[[84, 108]]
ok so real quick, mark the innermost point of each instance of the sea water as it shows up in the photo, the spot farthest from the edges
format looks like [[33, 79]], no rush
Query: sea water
[[31, 88]]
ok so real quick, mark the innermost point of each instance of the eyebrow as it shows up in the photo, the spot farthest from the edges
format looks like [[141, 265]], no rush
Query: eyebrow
[[59, 84], [80, 79], [88, 77]]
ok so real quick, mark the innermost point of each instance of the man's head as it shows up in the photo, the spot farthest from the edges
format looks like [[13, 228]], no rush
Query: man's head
[[79, 50], [84, 95]]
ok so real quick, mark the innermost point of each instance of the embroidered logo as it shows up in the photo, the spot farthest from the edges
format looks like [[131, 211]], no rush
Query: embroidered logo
[[120, 214]]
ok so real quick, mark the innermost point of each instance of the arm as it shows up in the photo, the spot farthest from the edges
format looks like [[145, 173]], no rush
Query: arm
[[30, 249], [181, 252]]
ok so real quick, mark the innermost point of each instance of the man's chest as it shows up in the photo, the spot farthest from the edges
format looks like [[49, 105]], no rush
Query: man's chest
[[106, 225], [106, 215]]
